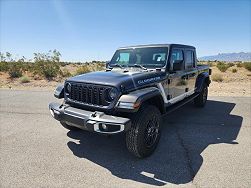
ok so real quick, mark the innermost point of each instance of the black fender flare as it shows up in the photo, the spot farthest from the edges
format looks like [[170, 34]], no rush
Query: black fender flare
[[59, 92], [201, 79], [141, 96]]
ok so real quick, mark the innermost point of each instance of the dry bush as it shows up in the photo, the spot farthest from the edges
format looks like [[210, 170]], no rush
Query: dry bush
[[222, 66], [83, 69], [15, 69], [47, 64], [99, 66], [247, 65], [239, 65], [234, 70], [230, 64], [4, 67], [65, 73], [24, 79], [217, 77]]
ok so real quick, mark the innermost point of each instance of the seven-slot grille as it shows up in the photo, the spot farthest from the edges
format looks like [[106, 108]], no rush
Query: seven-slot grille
[[89, 94]]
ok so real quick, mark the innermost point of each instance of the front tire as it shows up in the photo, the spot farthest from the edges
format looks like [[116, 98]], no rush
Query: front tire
[[143, 137], [201, 99], [65, 125]]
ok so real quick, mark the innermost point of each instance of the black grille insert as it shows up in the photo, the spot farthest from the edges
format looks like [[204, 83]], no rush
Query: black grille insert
[[89, 94]]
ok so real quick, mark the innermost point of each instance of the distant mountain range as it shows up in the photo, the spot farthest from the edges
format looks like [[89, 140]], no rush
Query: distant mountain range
[[241, 56]]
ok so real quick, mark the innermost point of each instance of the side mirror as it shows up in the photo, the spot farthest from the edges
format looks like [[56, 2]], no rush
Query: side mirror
[[177, 65], [106, 64]]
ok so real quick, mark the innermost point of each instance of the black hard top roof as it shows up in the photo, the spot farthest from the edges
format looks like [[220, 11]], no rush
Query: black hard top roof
[[159, 45]]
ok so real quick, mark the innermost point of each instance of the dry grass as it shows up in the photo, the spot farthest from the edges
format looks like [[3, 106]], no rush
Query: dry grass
[[83, 70], [217, 77]]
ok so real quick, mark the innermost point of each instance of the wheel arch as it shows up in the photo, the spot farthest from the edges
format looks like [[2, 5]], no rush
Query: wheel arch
[[149, 95], [157, 101], [201, 79]]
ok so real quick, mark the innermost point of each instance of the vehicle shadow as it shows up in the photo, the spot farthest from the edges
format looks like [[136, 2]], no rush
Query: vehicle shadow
[[185, 134]]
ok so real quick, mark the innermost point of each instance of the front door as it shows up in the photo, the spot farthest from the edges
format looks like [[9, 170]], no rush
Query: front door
[[177, 79]]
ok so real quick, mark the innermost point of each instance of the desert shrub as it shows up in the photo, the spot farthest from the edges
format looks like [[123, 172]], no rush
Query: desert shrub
[[28, 66], [234, 70], [222, 66], [24, 79], [47, 65], [4, 67], [247, 65], [83, 69], [210, 64], [15, 69], [5, 58], [231, 64], [65, 73], [239, 65], [99, 66], [64, 63], [217, 77], [47, 69]]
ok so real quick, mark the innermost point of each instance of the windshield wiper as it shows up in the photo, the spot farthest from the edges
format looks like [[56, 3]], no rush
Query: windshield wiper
[[118, 65], [141, 66]]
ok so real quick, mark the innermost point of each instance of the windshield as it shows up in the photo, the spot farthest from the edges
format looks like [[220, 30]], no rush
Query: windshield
[[150, 57]]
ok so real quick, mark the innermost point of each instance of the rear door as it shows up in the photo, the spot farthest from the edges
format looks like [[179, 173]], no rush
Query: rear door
[[190, 71]]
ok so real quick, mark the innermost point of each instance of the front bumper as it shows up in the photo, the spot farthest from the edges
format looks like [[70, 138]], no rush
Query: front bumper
[[90, 121]]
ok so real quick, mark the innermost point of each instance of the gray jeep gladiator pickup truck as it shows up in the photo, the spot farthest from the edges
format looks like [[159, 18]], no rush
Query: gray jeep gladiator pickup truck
[[139, 85]]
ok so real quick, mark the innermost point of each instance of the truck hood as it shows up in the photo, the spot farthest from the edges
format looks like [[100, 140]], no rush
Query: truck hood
[[120, 78]]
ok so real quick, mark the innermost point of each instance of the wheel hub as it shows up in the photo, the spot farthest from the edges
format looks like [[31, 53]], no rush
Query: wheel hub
[[152, 132]]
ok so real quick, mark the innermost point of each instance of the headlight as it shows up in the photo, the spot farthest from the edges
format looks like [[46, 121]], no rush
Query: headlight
[[113, 93], [68, 88]]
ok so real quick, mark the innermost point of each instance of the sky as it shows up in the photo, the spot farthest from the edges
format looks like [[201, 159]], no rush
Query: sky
[[93, 30]]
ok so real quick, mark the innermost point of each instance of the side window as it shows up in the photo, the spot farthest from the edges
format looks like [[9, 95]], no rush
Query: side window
[[177, 58], [189, 60], [177, 55]]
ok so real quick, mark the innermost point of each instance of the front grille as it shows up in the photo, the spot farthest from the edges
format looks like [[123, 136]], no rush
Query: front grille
[[89, 94]]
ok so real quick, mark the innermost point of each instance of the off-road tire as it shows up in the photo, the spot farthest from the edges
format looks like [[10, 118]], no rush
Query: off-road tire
[[136, 137], [65, 125], [201, 99]]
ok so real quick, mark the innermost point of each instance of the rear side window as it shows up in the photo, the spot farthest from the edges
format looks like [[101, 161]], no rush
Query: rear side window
[[189, 60], [177, 54]]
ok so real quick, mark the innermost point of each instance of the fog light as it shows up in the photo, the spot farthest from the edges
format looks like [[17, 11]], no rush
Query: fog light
[[52, 112]]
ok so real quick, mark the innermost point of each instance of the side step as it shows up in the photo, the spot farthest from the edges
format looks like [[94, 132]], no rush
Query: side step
[[173, 107]]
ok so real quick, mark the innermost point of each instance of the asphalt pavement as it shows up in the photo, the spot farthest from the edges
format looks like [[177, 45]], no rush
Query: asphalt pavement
[[208, 147]]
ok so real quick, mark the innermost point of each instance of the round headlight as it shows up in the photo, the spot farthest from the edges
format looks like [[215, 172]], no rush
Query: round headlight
[[113, 93], [68, 88]]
